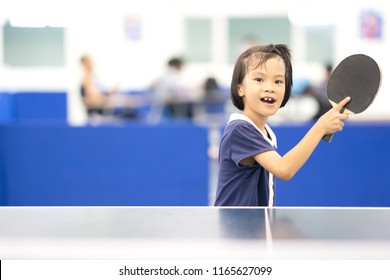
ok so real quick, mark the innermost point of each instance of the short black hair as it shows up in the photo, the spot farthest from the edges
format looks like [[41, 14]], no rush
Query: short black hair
[[254, 57]]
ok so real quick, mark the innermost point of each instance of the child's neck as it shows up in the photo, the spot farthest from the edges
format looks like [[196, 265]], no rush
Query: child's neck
[[259, 122]]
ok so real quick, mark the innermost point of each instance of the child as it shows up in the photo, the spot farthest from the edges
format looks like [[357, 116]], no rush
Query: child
[[261, 84]]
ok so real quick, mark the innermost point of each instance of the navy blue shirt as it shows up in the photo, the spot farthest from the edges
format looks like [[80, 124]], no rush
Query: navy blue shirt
[[240, 185]]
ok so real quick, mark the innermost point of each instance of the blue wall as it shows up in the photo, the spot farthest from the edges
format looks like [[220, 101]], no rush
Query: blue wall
[[45, 162], [2, 170], [45, 107], [136, 164], [6, 107], [167, 165], [352, 170]]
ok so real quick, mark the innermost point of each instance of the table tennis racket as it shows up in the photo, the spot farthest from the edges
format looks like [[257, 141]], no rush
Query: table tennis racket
[[357, 76]]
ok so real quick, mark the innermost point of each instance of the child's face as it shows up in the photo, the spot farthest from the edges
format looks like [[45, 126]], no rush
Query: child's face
[[263, 88]]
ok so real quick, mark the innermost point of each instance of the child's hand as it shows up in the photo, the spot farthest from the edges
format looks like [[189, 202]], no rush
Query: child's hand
[[332, 121]]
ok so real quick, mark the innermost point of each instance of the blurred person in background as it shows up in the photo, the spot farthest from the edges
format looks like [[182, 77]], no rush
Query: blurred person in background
[[171, 97], [319, 92], [100, 102], [214, 101], [94, 97]]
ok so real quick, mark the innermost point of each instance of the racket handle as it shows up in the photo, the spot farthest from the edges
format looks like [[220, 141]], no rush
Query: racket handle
[[328, 137]]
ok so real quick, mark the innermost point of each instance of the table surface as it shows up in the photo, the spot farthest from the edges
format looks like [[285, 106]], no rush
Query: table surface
[[194, 233]]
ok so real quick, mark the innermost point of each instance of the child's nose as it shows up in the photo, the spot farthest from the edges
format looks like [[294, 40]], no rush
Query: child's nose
[[269, 87]]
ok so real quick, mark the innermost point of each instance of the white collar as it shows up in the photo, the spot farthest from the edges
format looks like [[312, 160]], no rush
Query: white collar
[[238, 116]]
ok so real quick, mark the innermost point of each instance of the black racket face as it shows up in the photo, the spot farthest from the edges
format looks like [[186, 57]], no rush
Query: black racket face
[[357, 76]]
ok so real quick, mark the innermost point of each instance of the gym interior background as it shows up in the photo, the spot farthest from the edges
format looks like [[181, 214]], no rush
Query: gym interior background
[[51, 153]]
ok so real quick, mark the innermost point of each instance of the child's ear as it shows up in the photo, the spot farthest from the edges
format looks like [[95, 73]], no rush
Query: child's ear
[[240, 91]]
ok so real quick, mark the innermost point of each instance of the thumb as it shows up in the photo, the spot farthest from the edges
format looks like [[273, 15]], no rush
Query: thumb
[[342, 103]]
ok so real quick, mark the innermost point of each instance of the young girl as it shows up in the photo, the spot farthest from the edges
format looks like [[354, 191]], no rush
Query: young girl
[[261, 84]]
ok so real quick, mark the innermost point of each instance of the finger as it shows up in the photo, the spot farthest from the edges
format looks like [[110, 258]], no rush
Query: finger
[[343, 116], [342, 103], [341, 125]]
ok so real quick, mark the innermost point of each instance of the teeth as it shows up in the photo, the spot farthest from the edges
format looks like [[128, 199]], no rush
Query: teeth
[[268, 99]]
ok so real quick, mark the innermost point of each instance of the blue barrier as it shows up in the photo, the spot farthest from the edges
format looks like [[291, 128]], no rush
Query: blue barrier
[[6, 107], [33, 107], [2, 170], [132, 165], [353, 170]]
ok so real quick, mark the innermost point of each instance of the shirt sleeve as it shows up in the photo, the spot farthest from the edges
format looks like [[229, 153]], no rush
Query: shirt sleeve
[[246, 142]]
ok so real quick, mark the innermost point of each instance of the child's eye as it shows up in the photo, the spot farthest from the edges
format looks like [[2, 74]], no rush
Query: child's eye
[[259, 79], [279, 82]]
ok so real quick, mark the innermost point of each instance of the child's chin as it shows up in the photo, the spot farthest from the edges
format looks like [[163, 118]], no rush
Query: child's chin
[[271, 113]]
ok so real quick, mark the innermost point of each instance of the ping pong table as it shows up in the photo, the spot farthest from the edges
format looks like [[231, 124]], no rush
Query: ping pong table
[[194, 233]]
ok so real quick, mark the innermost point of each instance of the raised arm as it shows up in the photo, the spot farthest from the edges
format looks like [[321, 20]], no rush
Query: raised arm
[[285, 167]]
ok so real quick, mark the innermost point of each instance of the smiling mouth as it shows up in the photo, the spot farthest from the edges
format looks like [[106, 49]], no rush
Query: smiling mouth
[[268, 100]]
